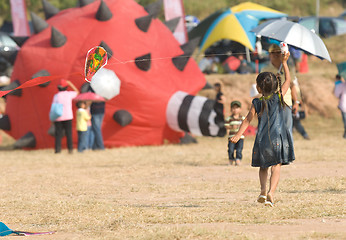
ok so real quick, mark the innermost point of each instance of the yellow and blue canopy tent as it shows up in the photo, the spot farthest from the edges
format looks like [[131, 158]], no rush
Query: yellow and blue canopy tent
[[234, 24]]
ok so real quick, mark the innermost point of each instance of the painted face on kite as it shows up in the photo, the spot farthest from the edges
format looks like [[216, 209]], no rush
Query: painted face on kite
[[95, 60], [158, 77]]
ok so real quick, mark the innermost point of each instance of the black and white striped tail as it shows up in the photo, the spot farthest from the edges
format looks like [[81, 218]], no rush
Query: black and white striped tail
[[194, 114]]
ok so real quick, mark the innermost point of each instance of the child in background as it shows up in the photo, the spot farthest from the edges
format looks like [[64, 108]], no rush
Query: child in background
[[232, 123], [273, 145], [82, 118]]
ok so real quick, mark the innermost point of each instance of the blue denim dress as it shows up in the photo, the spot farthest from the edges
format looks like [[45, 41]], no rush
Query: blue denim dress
[[273, 143]]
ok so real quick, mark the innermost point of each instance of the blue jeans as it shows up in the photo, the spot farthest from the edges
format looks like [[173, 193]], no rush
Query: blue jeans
[[298, 125], [235, 146], [96, 124], [82, 140], [344, 120], [91, 137]]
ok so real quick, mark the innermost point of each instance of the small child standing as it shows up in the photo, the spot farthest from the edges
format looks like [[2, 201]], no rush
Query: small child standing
[[82, 118], [233, 123], [273, 145]]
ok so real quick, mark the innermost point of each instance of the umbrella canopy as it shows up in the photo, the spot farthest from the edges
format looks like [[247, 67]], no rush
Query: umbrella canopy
[[233, 23], [89, 96], [295, 35], [326, 27]]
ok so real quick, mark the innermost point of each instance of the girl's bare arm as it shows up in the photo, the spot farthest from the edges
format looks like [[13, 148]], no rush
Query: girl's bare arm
[[244, 124], [285, 86]]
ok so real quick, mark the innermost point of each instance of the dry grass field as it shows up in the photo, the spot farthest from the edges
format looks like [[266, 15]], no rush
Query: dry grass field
[[177, 191]]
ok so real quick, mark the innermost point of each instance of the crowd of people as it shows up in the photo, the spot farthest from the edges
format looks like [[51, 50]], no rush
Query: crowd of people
[[89, 118]]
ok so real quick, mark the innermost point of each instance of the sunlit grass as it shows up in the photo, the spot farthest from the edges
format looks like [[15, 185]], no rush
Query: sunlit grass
[[189, 192]]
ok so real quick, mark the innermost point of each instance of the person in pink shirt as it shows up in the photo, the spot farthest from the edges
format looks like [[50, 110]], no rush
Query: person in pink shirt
[[64, 122], [340, 92]]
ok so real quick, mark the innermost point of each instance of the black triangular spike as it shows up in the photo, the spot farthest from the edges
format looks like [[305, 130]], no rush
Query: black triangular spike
[[187, 139], [143, 23], [11, 86], [57, 39], [10, 56], [103, 13], [51, 130], [83, 3], [42, 73], [85, 87], [38, 23], [154, 8], [27, 141], [143, 62], [122, 117], [5, 123], [172, 24], [49, 9], [107, 48], [207, 86], [180, 62], [188, 48], [19, 40]]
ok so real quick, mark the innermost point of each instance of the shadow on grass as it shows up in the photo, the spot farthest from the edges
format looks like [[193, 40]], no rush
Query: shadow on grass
[[7, 148], [328, 190], [166, 206]]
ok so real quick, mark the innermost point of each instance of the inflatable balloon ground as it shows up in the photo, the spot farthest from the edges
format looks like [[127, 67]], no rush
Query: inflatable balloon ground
[[155, 102]]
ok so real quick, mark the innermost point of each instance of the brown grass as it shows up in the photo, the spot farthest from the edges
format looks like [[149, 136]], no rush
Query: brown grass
[[177, 192]]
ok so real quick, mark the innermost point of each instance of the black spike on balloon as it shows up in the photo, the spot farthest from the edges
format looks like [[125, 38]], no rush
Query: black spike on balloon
[[122, 117], [51, 130], [57, 39], [27, 141], [187, 139], [49, 9], [85, 87], [5, 123], [103, 13], [38, 23], [83, 3], [154, 8], [188, 48], [172, 24], [19, 40], [143, 23], [207, 86], [42, 73], [143, 62], [11, 86], [107, 48], [10, 56]]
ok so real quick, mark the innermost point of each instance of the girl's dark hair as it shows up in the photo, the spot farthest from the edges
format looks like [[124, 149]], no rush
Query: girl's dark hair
[[268, 83], [79, 104]]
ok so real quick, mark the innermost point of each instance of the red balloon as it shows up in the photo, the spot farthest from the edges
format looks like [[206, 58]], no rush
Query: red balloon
[[142, 52]]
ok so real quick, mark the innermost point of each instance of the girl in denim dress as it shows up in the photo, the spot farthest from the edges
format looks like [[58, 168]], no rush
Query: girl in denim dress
[[273, 145]]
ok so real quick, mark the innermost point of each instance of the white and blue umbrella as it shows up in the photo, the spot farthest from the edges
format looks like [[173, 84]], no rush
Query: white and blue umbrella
[[294, 35]]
